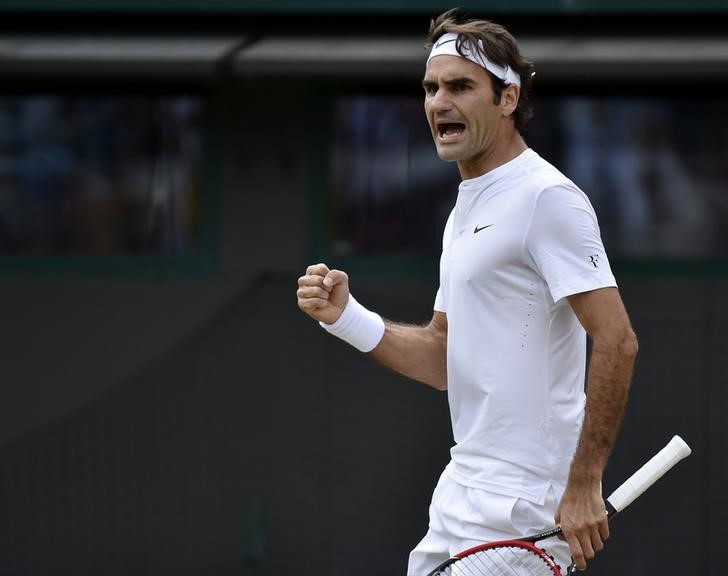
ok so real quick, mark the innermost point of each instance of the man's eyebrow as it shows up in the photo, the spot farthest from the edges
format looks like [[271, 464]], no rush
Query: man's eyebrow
[[457, 81]]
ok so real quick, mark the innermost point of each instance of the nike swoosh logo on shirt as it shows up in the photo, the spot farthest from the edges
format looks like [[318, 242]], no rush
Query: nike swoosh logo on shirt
[[481, 228]]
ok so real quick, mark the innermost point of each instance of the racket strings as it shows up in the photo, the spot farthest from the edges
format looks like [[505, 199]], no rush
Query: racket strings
[[501, 561]]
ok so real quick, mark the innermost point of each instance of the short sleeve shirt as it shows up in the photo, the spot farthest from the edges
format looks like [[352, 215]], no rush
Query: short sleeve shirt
[[519, 240]]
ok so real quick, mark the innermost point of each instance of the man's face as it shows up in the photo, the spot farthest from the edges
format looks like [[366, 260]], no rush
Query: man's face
[[463, 118]]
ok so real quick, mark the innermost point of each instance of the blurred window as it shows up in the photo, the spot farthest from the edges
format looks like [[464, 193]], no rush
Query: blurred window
[[654, 167], [106, 175]]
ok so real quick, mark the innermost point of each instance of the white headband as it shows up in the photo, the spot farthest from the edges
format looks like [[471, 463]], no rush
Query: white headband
[[446, 46]]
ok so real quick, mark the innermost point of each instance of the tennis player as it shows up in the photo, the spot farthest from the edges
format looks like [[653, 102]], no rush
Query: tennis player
[[523, 278]]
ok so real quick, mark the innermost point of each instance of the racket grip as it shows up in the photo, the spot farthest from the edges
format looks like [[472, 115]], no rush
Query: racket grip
[[649, 473]]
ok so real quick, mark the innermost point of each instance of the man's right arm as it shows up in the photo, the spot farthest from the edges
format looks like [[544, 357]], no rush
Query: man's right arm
[[417, 352]]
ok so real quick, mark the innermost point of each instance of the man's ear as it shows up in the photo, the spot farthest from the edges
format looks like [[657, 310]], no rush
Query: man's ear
[[509, 99]]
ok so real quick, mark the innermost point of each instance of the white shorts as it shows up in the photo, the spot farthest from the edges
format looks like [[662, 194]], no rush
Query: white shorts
[[462, 517]]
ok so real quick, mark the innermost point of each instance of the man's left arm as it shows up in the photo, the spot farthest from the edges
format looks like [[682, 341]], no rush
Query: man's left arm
[[581, 513]]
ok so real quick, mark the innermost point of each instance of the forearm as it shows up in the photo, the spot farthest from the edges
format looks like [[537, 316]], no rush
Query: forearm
[[614, 347], [608, 382], [418, 352]]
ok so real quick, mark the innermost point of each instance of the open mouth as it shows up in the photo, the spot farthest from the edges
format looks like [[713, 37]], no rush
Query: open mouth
[[450, 129]]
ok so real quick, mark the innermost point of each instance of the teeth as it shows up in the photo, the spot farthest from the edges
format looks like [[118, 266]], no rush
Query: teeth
[[451, 129]]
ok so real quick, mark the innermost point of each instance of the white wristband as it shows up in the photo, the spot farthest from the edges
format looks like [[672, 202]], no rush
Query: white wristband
[[361, 328]]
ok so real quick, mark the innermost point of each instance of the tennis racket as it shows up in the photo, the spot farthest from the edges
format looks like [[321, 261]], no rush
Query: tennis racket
[[522, 557]]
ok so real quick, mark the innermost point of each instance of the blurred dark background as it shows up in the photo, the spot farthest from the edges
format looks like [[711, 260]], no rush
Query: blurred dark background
[[167, 171]]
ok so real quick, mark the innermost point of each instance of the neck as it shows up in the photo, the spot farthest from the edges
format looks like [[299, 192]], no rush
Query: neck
[[507, 148]]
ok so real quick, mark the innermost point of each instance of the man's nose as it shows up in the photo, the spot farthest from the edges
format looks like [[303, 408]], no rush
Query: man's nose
[[441, 101]]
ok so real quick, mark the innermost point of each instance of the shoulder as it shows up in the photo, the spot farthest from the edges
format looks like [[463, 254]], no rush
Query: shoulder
[[549, 187], [545, 176], [536, 177]]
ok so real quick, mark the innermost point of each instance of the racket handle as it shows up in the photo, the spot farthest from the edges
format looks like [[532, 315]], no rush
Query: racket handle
[[650, 472]]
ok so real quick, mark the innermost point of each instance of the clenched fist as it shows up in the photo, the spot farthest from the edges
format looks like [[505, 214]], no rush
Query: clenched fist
[[323, 293]]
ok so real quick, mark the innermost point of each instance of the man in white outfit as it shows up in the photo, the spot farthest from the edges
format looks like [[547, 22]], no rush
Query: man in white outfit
[[523, 278]]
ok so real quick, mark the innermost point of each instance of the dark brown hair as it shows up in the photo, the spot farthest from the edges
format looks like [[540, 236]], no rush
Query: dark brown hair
[[496, 44]]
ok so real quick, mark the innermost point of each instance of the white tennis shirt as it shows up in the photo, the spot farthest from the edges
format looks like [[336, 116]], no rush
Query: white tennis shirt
[[519, 239]]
